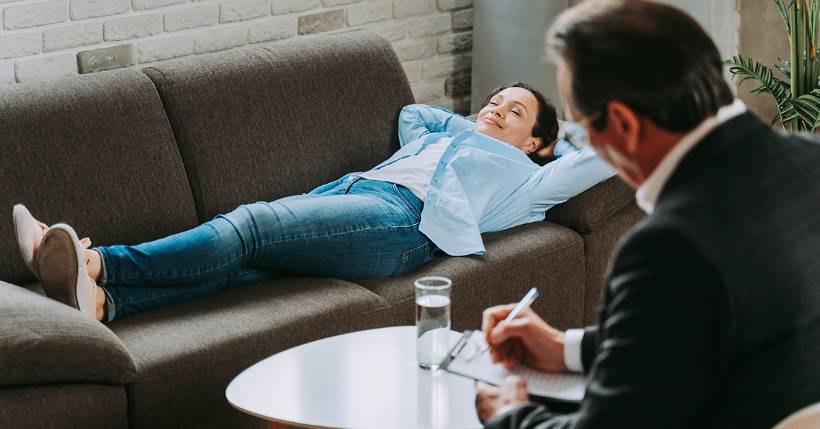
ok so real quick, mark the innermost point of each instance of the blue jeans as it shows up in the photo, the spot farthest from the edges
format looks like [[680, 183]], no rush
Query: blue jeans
[[352, 228]]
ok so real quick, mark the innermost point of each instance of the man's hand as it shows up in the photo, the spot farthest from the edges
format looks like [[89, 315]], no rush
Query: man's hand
[[527, 339], [491, 399]]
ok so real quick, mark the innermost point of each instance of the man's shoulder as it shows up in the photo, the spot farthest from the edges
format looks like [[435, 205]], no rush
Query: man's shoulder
[[658, 240]]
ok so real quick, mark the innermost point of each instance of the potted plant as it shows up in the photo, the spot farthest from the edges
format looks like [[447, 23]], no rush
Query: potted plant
[[798, 95]]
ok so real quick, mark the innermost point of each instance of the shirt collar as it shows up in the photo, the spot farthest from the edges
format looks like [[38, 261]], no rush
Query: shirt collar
[[648, 193]]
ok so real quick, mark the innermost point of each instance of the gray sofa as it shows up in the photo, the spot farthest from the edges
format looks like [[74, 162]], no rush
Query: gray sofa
[[133, 155]]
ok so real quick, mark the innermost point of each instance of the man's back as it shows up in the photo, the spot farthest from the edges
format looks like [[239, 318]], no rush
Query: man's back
[[747, 199]]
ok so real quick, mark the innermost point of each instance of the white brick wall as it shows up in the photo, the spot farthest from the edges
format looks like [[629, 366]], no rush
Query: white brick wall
[[6, 74], [34, 14], [290, 6], [243, 10], [276, 28], [132, 27], [371, 11], [81, 9], [49, 39], [165, 48], [19, 45], [44, 68], [72, 35], [192, 17]]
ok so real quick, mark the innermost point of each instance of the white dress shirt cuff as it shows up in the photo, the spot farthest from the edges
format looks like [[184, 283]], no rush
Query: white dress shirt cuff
[[508, 407], [572, 349]]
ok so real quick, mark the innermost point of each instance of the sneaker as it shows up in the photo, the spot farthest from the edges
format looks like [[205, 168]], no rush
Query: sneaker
[[29, 232], [61, 265]]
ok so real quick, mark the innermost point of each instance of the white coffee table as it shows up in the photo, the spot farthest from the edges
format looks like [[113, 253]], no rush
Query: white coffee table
[[365, 379]]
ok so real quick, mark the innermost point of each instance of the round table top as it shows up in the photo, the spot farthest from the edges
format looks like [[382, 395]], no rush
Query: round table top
[[365, 379]]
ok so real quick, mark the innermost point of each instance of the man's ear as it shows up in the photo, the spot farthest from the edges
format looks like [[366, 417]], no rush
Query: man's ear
[[623, 127]]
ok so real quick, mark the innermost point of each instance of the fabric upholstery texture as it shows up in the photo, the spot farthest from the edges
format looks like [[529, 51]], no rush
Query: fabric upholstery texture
[[593, 208], [67, 406], [599, 247], [265, 122], [187, 354], [94, 151], [44, 341], [541, 254]]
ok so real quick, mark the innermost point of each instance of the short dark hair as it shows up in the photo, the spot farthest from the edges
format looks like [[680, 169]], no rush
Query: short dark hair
[[651, 56], [546, 121]]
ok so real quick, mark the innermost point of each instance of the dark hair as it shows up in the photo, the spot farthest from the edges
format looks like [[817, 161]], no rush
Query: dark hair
[[653, 57], [546, 121]]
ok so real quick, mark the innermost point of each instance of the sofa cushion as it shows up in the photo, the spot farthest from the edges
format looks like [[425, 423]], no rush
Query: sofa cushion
[[65, 406], [95, 151], [188, 353], [599, 248], [264, 122], [44, 341], [592, 208], [539, 254]]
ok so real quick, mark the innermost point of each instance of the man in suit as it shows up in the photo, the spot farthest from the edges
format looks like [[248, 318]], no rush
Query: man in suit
[[712, 310]]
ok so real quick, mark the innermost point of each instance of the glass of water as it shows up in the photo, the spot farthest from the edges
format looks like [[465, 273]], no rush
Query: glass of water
[[432, 320]]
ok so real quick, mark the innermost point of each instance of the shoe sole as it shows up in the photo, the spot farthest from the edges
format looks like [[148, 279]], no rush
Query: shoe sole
[[59, 266]]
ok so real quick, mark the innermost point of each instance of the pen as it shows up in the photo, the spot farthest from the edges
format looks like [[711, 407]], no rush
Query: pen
[[460, 345], [524, 303]]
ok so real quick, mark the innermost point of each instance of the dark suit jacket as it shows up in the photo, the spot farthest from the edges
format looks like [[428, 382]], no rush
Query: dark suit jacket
[[712, 308]]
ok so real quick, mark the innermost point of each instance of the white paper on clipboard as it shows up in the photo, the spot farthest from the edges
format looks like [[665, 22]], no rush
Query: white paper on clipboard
[[470, 362]]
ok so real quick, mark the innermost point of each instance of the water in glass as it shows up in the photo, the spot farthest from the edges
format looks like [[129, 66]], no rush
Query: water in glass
[[433, 329]]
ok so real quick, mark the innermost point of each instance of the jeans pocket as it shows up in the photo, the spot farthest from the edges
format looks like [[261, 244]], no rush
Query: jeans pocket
[[406, 199], [413, 259]]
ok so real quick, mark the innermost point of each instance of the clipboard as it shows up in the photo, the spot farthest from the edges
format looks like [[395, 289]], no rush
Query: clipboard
[[467, 360]]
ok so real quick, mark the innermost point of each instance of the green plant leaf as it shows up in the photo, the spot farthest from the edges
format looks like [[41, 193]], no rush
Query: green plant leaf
[[775, 120], [806, 111], [808, 106], [798, 100], [782, 8], [748, 69], [812, 97], [811, 18]]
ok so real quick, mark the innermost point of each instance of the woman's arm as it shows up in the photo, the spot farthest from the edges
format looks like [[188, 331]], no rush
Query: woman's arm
[[569, 175], [418, 120]]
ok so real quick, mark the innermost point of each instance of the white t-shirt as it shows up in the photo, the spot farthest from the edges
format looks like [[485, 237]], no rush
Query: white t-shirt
[[413, 172]]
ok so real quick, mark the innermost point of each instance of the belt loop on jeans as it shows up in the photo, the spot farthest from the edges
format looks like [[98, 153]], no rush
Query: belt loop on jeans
[[350, 181]]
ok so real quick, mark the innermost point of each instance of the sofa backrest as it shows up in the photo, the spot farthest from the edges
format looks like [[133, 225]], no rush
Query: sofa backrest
[[95, 151], [264, 122]]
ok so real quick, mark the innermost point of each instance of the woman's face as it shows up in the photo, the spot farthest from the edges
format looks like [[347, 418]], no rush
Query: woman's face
[[510, 117]]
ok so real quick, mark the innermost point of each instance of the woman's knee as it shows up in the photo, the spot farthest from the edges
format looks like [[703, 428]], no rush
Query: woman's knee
[[256, 224]]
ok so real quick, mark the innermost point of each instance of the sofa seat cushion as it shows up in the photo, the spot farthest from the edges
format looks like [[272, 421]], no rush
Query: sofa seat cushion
[[43, 341], [95, 151], [539, 254], [64, 406], [187, 354]]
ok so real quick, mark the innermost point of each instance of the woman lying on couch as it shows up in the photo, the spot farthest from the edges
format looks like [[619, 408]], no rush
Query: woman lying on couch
[[451, 180]]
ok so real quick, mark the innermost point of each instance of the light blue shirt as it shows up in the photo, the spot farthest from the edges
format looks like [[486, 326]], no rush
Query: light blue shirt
[[485, 185]]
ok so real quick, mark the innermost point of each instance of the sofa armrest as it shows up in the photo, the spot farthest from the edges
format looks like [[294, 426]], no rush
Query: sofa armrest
[[590, 210], [44, 341]]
